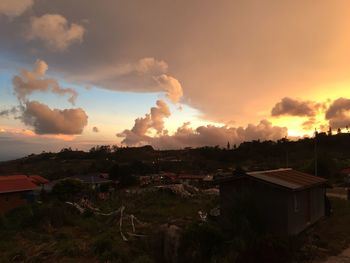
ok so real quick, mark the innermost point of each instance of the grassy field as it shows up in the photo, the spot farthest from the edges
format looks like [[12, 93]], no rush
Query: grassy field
[[57, 232], [331, 235]]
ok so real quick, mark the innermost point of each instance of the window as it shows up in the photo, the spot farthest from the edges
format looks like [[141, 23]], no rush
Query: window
[[296, 204]]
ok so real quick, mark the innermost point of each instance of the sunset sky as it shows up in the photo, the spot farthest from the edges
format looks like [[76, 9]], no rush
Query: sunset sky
[[170, 73]]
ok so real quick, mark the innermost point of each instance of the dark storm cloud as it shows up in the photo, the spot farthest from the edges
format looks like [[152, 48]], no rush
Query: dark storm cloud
[[9, 112], [338, 113], [294, 107]]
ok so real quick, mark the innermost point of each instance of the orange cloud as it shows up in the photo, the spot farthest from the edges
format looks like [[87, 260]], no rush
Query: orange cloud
[[29, 133]]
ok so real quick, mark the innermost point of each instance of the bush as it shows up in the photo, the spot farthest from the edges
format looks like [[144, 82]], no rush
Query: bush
[[143, 259], [55, 214], [104, 247], [68, 248], [68, 189], [200, 242], [19, 217]]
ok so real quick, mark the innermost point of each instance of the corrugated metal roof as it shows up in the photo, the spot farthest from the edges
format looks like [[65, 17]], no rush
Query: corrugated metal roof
[[16, 183], [288, 178]]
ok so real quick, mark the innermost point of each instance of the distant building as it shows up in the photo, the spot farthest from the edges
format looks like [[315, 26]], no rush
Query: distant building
[[94, 180], [18, 190], [287, 201]]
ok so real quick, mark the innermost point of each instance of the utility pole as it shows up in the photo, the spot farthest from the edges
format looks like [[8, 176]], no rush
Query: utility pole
[[315, 152]]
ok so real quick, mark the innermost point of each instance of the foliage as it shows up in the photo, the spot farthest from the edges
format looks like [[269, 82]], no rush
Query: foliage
[[124, 174], [68, 189], [200, 242]]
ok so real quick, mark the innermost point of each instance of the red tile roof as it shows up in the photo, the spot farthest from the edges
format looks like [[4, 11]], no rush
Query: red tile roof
[[16, 183], [38, 180], [345, 171], [288, 178]]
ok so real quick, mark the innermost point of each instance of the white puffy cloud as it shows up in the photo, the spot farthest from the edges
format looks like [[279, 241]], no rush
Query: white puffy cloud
[[28, 82], [211, 135], [172, 87], [55, 31], [153, 120], [14, 8], [185, 136], [53, 121]]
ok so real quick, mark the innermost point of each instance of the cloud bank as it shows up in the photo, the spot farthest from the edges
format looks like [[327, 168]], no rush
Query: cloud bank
[[185, 136], [210, 135]]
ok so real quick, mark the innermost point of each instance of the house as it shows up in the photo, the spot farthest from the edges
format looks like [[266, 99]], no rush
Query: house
[[94, 180], [16, 190], [287, 201], [41, 182]]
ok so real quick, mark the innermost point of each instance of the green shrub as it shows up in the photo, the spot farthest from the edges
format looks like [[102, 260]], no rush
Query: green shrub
[[68, 189]]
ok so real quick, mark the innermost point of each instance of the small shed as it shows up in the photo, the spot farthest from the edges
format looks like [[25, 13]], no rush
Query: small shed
[[287, 201]]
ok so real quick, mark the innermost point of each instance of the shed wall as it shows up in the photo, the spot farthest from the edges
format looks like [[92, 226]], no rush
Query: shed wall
[[271, 203], [305, 208]]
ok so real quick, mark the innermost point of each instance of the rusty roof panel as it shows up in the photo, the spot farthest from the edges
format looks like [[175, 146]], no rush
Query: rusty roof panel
[[288, 178]]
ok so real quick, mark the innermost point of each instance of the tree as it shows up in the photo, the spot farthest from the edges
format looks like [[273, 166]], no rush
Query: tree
[[124, 175], [68, 189], [330, 131]]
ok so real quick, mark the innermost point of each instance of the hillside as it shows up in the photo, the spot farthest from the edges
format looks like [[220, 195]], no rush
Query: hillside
[[333, 154]]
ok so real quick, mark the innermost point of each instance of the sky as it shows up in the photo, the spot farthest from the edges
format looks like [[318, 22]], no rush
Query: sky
[[170, 73]]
